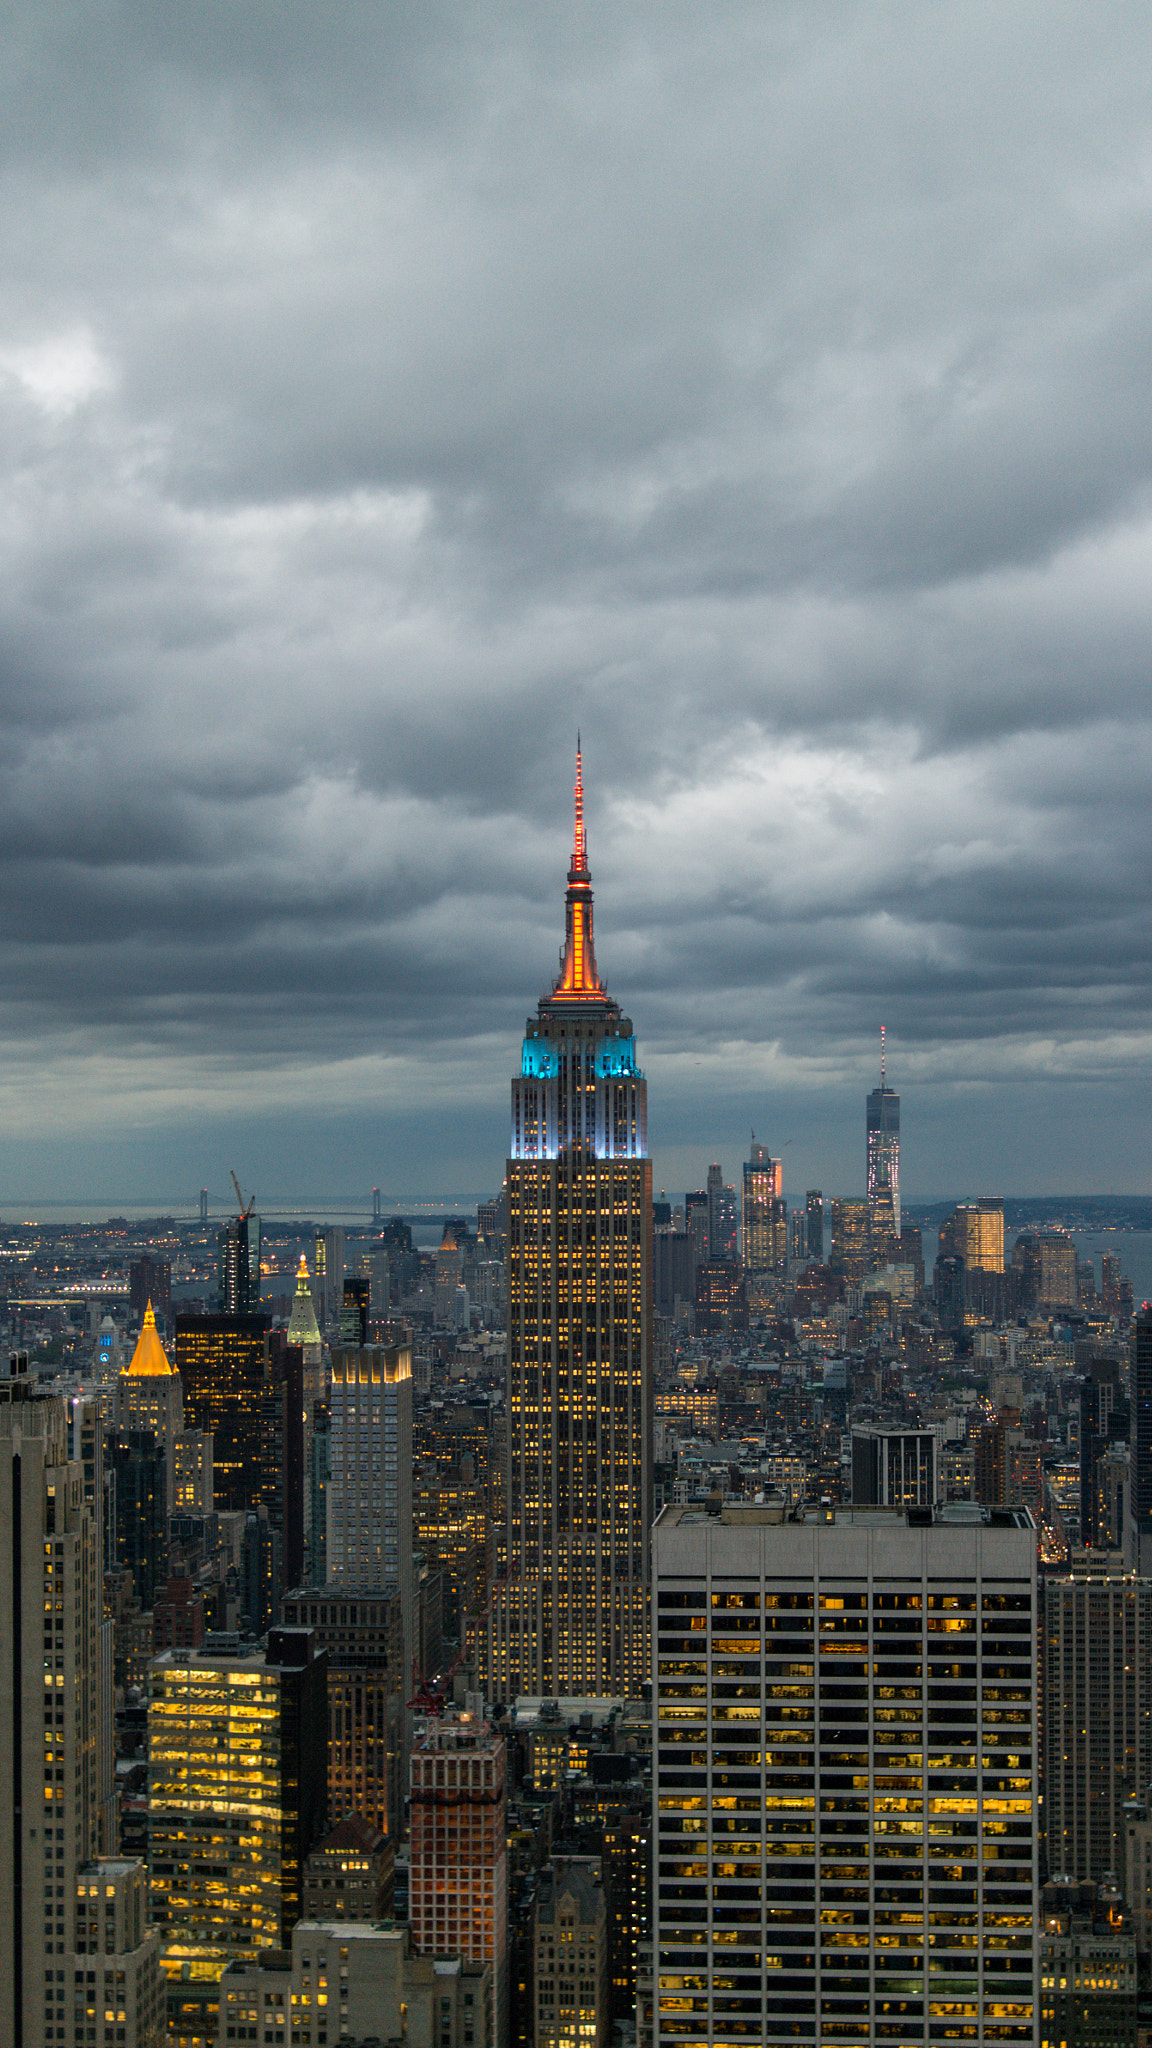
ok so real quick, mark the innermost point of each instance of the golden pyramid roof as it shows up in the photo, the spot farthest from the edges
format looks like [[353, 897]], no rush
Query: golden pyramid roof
[[149, 1360]]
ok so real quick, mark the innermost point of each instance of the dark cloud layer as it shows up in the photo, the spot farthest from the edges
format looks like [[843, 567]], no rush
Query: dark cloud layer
[[386, 391]]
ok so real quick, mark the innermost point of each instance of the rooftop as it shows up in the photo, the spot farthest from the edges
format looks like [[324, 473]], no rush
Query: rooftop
[[735, 1514]]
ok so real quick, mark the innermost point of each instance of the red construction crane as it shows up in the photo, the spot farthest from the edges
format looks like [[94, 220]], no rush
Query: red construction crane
[[244, 1212]]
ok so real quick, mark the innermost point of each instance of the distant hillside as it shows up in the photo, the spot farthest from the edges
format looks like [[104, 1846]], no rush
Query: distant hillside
[[1050, 1212]]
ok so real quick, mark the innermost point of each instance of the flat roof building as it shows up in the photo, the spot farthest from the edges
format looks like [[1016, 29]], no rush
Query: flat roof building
[[845, 1791]]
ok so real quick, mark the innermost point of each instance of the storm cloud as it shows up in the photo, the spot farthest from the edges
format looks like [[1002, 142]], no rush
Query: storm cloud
[[386, 392]]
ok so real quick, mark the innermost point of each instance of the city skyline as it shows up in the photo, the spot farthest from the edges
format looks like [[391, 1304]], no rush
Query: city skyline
[[761, 392]]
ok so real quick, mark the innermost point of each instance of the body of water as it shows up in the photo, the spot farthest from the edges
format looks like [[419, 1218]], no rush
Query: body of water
[[1133, 1248]]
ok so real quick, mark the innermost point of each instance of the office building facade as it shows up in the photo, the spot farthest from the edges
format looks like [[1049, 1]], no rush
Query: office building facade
[[238, 1266], [237, 1744], [353, 1982], [845, 1789], [882, 1121], [1139, 1544], [570, 1615], [369, 1489], [765, 1215], [570, 1961], [223, 1365], [55, 1990], [360, 1628], [1097, 1689], [895, 1468]]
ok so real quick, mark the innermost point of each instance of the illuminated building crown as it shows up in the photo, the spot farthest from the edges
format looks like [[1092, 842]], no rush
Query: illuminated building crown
[[579, 1088]]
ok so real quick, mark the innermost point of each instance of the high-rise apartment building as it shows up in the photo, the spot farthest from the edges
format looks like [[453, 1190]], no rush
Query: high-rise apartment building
[[354, 1310], [458, 1886], [1044, 1262], [369, 1489], [570, 1615], [696, 1221], [1105, 1420], [1097, 1681], [882, 1116], [722, 1226], [845, 1791]]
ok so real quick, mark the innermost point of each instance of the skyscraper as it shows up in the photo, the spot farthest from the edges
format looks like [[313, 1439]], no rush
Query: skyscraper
[[329, 1273], [570, 1615], [845, 1776], [64, 1961], [883, 1121], [765, 1219], [238, 1248], [149, 1396], [237, 1796], [814, 1213], [458, 1897], [361, 1629], [1139, 1531], [1097, 1690], [369, 1537], [223, 1365]]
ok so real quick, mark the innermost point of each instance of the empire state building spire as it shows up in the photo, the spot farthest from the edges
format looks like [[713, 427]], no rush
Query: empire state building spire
[[570, 1616], [578, 980]]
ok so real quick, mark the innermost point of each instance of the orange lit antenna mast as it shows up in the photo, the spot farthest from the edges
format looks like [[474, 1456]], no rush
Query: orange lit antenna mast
[[578, 980]]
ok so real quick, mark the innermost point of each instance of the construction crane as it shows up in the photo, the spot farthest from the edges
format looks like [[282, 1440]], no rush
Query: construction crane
[[432, 1695], [244, 1212]]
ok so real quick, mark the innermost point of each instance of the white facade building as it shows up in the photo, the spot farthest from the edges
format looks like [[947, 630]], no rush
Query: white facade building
[[845, 1777]]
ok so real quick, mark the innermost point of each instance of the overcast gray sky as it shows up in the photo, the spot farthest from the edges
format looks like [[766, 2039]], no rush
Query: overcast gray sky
[[387, 389]]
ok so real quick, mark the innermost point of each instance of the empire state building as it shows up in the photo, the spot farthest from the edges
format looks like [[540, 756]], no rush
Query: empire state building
[[571, 1614]]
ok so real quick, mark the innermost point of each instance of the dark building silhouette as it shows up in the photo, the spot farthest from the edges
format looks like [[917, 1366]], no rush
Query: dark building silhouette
[[150, 1280], [136, 1473], [178, 1617], [950, 1292], [1141, 1439], [360, 1629], [721, 1299], [238, 1267], [222, 1362], [259, 1573], [673, 1270], [894, 1468], [910, 1252], [1104, 1419], [354, 1312], [282, 1489]]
